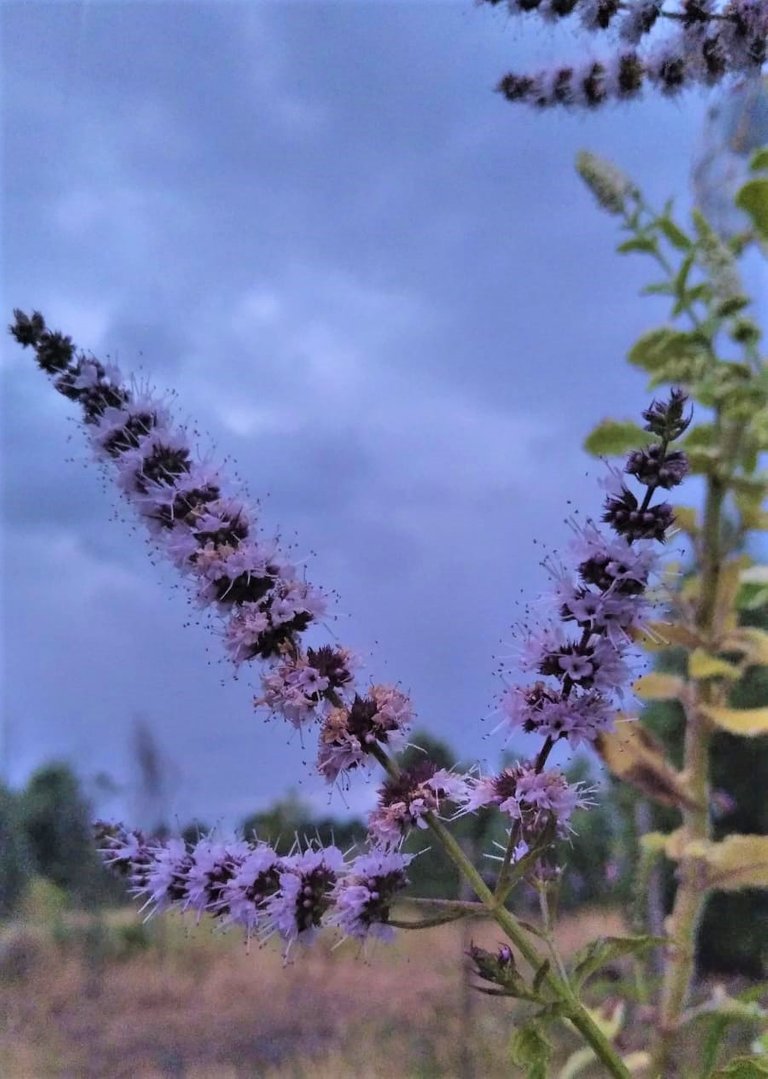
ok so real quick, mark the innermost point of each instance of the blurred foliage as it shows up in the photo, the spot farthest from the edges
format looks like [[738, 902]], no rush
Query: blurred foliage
[[47, 849], [733, 935], [289, 818], [15, 855]]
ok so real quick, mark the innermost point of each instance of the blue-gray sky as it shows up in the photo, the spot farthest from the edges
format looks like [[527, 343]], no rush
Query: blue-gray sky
[[377, 287]]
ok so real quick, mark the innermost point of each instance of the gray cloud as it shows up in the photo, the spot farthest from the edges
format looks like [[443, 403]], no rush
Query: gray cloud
[[374, 285]]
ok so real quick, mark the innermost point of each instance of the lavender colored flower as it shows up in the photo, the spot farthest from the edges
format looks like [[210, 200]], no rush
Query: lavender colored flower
[[382, 718], [709, 44], [213, 865], [405, 800], [166, 877], [253, 881], [546, 711], [362, 898], [301, 687], [532, 799], [202, 526], [307, 882], [638, 19]]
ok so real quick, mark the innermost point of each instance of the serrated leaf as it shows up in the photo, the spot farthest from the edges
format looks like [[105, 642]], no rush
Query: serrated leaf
[[530, 1049], [614, 437], [670, 356], [659, 687], [753, 199], [739, 861], [605, 950], [747, 722], [634, 756], [702, 664], [743, 1068]]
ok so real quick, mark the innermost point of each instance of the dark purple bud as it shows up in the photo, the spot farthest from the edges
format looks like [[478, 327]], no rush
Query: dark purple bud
[[516, 87], [656, 468], [630, 75], [624, 515], [594, 85], [54, 352], [696, 12], [665, 418], [27, 328]]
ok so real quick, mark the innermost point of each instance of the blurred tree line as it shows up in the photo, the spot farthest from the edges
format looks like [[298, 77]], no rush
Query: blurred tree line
[[45, 832]]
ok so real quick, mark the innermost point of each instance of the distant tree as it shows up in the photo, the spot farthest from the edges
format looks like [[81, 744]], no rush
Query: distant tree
[[15, 855], [290, 817], [590, 853], [56, 819]]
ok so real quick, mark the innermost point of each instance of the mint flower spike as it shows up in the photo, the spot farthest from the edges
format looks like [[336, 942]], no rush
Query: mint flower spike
[[584, 674], [709, 43], [249, 885], [211, 535]]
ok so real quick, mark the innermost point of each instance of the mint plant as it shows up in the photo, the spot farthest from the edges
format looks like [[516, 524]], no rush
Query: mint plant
[[579, 661]]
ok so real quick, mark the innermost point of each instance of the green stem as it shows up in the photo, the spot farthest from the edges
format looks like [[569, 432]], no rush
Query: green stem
[[691, 893], [573, 1009]]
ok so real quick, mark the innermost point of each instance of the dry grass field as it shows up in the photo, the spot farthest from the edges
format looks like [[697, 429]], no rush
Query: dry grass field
[[105, 999]]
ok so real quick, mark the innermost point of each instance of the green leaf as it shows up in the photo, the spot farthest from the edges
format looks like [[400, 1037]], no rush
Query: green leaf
[[702, 664], [638, 243], [717, 1026], [753, 198], [744, 1068], [738, 861], [612, 438], [759, 159], [681, 277], [748, 722], [675, 235], [671, 356], [605, 950], [530, 1049], [659, 687]]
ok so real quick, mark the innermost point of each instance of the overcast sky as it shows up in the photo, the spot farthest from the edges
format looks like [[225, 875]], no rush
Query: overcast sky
[[378, 288]]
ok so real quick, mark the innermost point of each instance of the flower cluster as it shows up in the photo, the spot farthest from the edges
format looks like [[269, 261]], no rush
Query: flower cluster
[[210, 534], [708, 44], [405, 799], [250, 885], [583, 673]]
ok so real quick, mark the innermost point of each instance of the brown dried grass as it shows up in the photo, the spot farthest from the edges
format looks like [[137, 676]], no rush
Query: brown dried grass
[[200, 1006]]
